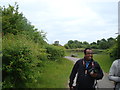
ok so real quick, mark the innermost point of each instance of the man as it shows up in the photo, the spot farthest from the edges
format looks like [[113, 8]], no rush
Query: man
[[114, 73], [87, 71]]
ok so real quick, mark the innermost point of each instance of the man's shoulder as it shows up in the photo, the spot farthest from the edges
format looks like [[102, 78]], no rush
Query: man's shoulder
[[116, 61], [95, 62], [80, 60]]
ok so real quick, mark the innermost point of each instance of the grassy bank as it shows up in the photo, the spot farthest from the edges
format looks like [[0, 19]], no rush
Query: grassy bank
[[104, 60], [53, 75]]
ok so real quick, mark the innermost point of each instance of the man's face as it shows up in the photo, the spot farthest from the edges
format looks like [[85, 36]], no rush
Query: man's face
[[89, 54]]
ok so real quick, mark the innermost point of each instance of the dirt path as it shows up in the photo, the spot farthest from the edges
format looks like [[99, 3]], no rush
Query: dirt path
[[104, 83]]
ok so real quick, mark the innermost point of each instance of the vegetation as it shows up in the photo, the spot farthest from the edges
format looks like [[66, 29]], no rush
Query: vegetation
[[53, 74], [24, 49], [101, 57], [104, 60], [114, 51], [19, 56], [55, 52], [100, 44], [29, 61], [77, 52], [111, 46]]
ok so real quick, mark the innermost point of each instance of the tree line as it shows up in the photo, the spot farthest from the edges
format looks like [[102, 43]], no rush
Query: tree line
[[100, 44], [110, 46]]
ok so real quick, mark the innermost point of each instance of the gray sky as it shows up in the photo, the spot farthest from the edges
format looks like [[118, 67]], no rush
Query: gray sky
[[63, 20]]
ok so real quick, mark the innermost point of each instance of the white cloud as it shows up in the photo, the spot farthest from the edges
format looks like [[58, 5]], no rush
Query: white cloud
[[69, 19]]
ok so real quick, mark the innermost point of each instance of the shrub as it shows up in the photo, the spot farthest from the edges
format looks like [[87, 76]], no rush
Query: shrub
[[55, 52], [20, 57], [113, 51]]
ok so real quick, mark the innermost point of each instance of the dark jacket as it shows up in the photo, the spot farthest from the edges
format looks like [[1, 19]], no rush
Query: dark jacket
[[85, 80]]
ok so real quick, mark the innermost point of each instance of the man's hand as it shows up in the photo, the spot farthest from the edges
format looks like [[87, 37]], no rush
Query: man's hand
[[93, 74], [71, 88]]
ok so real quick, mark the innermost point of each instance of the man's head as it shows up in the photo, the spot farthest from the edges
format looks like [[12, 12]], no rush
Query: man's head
[[88, 53]]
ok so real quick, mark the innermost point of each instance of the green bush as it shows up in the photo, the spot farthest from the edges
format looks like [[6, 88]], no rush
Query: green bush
[[113, 51], [97, 51], [20, 57], [55, 52]]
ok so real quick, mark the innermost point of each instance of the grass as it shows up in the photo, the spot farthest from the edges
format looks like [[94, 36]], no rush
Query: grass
[[79, 54], [104, 60], [54, 74]]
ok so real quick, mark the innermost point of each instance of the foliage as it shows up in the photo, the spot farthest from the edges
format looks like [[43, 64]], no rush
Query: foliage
[[14, 22], [24, 49], [55, 52], [73, 44], [37, 37], [20, 56], [100, 44], [118, 42], [53, 75], [100, 56], [115, 50], [104, 60]]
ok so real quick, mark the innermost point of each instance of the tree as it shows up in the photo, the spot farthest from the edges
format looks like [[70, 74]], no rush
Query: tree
[[15, 23], [94, 45], [70, 41], [111, 41], [118, 43], [66, 46], [70, 44], [78, 44], [102, 44], [85, 44], [73, 44]]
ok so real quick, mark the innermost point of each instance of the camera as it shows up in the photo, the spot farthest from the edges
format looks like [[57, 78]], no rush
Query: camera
[[92, 70]]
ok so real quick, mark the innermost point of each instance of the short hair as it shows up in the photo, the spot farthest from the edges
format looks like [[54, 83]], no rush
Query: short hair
[[86, 49]]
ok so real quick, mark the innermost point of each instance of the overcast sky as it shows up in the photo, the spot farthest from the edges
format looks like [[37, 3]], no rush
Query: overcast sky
[[64, 20]]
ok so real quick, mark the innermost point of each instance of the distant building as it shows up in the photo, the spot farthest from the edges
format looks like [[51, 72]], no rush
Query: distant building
[[56, 42]]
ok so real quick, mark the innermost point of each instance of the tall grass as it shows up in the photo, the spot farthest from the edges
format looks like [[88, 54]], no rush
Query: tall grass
[[53, 74], [104, 60]]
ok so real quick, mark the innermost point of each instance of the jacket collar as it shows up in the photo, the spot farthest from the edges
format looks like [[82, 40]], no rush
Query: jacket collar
[[87, 60]]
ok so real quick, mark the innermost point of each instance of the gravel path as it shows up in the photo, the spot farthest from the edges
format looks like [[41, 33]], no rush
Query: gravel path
[[104, 83]]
